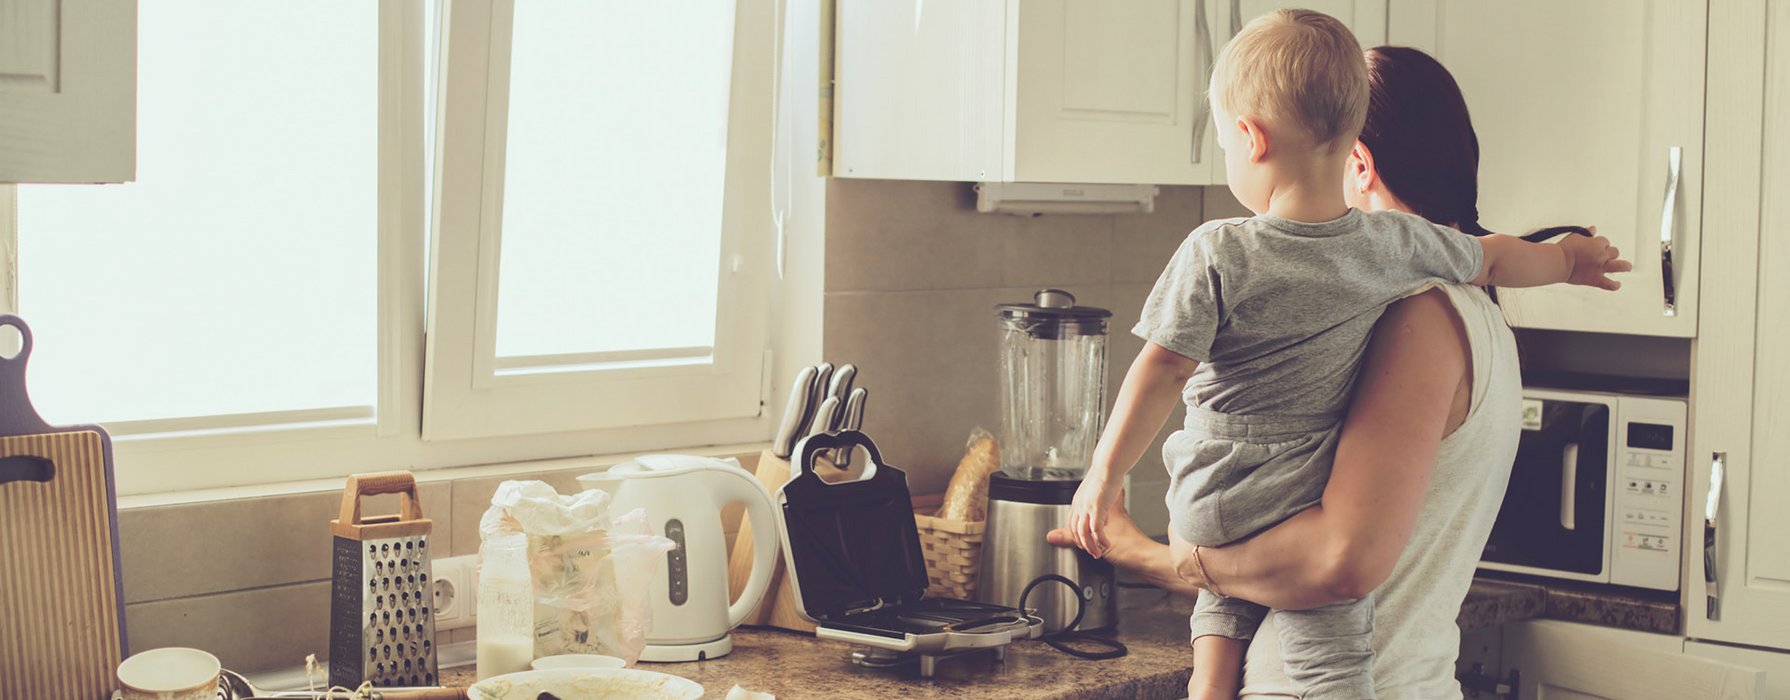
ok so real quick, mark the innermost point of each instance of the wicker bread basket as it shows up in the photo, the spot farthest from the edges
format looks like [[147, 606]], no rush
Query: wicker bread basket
[[953, 552]]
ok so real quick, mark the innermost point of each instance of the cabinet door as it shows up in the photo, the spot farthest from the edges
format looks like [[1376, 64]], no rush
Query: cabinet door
[[1563, 660], [1579, 107], [68, 90], [1774, 665], [1740, 383], [1114, 92], [919, 90]]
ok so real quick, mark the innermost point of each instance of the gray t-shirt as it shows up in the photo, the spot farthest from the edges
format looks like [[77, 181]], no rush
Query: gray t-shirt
[[1278, 312]]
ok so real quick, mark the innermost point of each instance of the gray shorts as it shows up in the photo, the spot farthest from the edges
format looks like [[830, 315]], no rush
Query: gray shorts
[[1233, 475]]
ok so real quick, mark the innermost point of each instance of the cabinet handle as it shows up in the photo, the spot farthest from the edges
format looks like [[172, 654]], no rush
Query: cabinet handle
[[1236, 17], [1668, 228], [1202, 30], [1711, 590]]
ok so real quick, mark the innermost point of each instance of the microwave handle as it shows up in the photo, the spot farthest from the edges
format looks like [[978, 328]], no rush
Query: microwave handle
[[1569, 486]]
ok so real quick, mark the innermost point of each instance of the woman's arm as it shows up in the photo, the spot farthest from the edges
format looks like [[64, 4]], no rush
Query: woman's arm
[[1409, 395]]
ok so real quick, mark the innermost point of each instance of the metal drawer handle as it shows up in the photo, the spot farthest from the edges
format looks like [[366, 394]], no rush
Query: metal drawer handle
[[1202, 30], [1668, 229], [1711, 589]]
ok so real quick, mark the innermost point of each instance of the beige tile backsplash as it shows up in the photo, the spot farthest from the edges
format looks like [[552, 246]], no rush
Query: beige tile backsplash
[[912, 275]]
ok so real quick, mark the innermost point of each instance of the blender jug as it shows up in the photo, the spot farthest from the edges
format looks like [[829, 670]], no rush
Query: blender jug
[[1053, 386], [1053, 400]]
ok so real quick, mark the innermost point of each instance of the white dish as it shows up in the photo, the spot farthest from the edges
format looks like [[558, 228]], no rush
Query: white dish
[[577, 661], [586, 684]]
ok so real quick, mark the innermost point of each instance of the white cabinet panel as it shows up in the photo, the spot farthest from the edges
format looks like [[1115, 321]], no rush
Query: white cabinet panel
[[1034, 91], [1114, 92], [1740, 384], [68, 90], [920, 90], [1560, 660], [1578, 106], [1774, 665]]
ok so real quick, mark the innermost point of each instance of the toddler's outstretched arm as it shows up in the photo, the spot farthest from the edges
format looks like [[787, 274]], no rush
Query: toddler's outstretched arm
[[1583, 260], [1151, 389]]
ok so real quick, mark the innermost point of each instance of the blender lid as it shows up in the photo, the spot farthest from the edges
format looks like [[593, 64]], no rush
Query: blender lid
[[1053, 311], [850, 545]]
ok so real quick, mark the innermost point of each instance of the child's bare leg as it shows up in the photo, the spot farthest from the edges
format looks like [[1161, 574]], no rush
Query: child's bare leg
[[1217, 668]]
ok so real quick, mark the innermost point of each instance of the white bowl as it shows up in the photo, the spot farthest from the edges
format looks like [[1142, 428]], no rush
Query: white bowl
[[587, 684], [577, 661]]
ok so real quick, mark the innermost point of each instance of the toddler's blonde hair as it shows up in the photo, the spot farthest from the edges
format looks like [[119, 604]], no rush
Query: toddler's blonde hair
[[1297, 68]]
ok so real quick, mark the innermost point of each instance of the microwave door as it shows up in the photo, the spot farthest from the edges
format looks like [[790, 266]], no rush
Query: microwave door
[[1552, 519]]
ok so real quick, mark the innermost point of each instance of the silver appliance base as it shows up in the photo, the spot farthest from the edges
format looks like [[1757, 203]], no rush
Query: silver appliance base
[[884, 658]]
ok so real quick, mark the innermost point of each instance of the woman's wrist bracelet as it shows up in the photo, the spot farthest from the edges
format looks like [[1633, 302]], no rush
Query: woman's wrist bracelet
[[1205, 580]]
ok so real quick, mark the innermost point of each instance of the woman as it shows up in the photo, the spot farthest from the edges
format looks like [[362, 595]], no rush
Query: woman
[[1427, 447]]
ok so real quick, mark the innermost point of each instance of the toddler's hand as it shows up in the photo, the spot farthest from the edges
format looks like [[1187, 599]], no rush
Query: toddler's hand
[[1088, 511], [1593, 260]]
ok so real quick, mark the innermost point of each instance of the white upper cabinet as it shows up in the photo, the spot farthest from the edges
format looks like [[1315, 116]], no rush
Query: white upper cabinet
[[1740, 385], [68, 90], [1032, 91], [1041, 90], [1587, 113]]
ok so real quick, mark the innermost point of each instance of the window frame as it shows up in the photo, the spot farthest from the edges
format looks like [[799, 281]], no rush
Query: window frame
[[469, 392], [205, 453]]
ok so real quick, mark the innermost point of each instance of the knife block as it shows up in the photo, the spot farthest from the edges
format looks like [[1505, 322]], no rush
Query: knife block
[[778, 607]]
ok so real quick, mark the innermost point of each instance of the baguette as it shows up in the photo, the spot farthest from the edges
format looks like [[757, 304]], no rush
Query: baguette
[[966, 498]]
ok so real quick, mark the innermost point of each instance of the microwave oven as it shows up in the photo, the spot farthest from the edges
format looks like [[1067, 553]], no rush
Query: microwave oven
[[1597, 491]]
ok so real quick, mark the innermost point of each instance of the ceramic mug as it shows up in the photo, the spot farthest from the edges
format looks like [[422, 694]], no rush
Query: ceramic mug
[[170, 673]]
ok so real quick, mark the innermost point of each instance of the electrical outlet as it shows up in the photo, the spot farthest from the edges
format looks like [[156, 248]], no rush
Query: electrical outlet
[[456, 591]]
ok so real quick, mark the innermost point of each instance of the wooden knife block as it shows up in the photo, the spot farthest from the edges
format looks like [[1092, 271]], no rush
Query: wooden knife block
[[778, 608]]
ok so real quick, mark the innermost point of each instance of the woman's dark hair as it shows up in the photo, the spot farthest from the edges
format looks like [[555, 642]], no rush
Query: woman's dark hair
[[1422, 140]]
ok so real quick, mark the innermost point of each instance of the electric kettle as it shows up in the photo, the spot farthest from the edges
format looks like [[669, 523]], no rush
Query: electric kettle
[[683, 496]]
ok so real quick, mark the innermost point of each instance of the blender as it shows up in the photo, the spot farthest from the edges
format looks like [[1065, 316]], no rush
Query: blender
[[1053, 399]]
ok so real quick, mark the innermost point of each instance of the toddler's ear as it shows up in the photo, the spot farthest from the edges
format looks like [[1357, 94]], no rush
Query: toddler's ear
[[1255, 139]]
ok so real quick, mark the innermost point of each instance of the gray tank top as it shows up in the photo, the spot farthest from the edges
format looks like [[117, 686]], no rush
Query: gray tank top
[[1415, 638]]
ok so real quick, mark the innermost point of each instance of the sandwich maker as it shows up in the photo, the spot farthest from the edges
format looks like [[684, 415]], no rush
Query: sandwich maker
[[855, 566]]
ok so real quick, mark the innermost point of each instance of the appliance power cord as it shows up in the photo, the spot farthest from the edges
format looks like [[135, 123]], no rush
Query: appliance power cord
[[1113, 648]]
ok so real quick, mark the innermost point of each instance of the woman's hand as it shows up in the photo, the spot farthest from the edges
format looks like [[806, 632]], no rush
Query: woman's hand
[[1133, 552], [1094, 502]]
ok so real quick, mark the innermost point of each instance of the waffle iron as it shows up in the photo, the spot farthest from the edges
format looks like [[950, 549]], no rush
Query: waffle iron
[[854, 560]]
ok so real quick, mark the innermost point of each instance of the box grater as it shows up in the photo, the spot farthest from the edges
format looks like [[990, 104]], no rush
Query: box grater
[[381, 626]]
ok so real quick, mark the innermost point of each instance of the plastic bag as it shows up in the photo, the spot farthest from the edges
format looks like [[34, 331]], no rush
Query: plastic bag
[[590, 571]]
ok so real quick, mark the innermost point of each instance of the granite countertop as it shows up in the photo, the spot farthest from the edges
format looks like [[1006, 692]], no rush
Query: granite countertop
[[1152, 624]]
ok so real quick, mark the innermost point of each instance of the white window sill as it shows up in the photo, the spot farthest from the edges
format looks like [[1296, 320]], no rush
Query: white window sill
[[289, 488]]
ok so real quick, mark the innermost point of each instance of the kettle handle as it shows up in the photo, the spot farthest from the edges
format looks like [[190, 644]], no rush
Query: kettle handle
[[744, 487]]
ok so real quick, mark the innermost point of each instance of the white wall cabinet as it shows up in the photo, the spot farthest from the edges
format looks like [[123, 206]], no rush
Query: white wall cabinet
[[1578, 107], [1562, 660], [1740, 384], [1033, 91], [68, 90], [1039, 90]]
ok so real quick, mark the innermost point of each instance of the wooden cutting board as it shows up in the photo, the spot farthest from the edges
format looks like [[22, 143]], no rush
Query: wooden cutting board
[[61, 594]]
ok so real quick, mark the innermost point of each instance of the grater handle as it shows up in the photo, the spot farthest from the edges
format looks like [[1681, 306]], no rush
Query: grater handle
[[399, 482]]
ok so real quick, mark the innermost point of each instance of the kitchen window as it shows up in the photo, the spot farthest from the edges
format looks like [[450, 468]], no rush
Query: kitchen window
[[411, 234]]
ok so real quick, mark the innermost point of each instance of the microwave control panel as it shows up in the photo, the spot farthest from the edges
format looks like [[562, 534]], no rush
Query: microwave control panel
[[1648, 481]]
